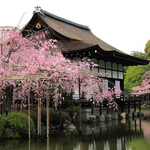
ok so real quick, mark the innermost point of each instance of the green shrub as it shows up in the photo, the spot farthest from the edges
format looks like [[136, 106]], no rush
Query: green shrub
[[54, 116], [19, 123], [33, 115], [43, 114], [69, 110], [64, 117], [1, 125]]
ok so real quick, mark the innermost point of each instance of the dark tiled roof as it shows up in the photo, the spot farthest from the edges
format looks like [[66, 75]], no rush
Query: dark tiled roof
[[65, 20], [74, 31], [76, 37]]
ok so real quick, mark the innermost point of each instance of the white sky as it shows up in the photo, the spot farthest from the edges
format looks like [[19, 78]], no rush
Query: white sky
[[124, 24]]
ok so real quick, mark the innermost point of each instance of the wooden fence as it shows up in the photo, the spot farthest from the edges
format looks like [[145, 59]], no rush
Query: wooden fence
[[15, 107]]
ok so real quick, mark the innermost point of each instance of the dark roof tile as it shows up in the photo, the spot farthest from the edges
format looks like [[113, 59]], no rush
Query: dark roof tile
[[65, 20]]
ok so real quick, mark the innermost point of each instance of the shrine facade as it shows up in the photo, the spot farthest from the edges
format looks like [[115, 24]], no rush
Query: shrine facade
[[77, 41]]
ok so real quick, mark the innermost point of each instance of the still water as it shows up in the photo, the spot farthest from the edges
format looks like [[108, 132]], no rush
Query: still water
[[124, 135]]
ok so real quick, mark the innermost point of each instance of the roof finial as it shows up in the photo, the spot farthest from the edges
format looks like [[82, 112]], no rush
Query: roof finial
[[37, 8]]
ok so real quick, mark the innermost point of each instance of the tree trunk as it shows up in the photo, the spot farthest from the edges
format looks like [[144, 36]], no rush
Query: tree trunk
[[7, 99], [4, 104], [31, 98]]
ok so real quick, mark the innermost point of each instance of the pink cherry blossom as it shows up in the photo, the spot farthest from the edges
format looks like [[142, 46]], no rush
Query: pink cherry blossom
[[26, 60]]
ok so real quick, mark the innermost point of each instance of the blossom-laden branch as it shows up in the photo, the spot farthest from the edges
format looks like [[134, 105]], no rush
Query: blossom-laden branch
[[25, 57]]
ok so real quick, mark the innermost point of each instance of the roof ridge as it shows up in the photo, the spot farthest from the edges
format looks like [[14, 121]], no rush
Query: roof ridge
[[64, 20]]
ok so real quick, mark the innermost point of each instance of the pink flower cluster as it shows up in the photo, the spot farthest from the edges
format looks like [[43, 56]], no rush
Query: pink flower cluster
[[26, 60]]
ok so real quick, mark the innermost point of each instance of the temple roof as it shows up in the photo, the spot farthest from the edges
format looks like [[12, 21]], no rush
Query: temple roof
[[75, 37]]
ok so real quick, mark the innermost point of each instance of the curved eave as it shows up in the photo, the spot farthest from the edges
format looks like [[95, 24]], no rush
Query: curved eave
[[128, 60], [113, 56]]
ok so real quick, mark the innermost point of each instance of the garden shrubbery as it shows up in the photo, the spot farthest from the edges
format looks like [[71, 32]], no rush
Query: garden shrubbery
[[69, 110], [54, 115], [19, 123], [33, 115]]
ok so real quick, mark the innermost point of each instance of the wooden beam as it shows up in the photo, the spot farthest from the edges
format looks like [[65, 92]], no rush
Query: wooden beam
[[47, 106]]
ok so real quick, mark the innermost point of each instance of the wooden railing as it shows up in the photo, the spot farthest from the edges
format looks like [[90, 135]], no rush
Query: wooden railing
[[15, 107]]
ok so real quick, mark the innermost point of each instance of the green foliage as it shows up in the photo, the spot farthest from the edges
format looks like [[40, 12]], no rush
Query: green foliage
[[147, 50], [33, 115], [138, 54], [133, 76], [135, 54], [64, 116], [69, 110], [19, 123], [54, 115], [1, 125]]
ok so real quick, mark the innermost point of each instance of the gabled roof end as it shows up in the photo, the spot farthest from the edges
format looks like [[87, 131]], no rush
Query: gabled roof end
[[45, 13]]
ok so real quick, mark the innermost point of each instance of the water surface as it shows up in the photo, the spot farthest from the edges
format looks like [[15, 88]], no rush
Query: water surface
[[133, 134]]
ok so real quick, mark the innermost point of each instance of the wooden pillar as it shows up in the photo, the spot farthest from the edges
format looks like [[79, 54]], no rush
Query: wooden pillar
[[80, 128], [128, 107], [135, 125], [29, 108], [140, 124], [72, 102], [134, 106], [107, 110], [47, 109], [39, 111], [91, 106], [100, 111], [129, 126], [29, 144], [122, 107], [39, 107], [60, 126], [60, 93], [48, 144], [139, 106], [31, 97], [148, 100]]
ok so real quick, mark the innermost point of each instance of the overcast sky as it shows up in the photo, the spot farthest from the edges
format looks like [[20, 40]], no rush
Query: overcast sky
[[124, 24]]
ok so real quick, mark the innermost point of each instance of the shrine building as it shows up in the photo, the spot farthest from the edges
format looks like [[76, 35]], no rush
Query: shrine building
[[78, 41]]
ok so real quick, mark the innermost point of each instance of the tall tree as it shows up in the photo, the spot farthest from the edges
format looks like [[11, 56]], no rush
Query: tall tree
[[138, 54], [36, 56], [145, 84], [133, 74], [147, 50]]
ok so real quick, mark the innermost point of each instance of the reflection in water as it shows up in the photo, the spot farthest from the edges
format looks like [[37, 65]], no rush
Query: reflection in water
[[115, 135], [146, 130]]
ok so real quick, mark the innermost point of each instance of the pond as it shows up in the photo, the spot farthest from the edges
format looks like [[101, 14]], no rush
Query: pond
[[132, 134]]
